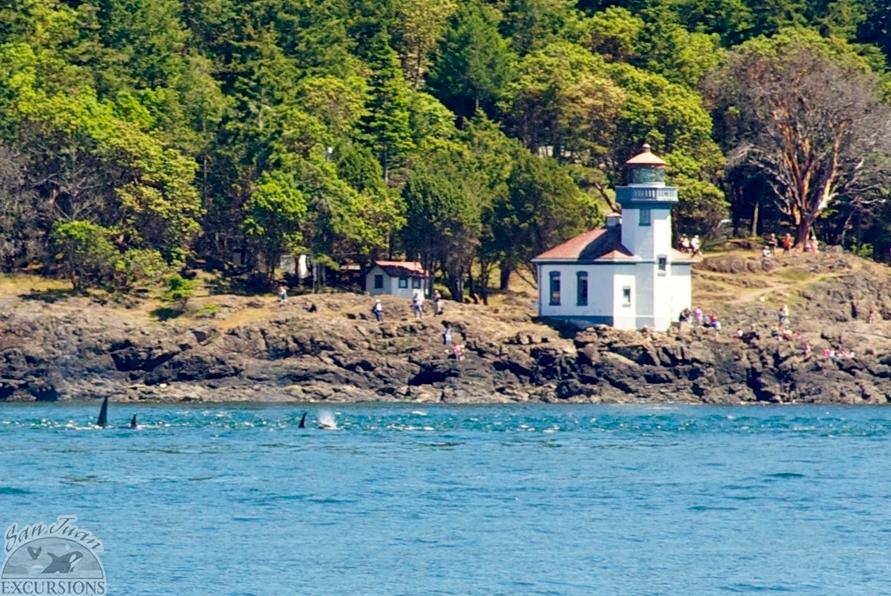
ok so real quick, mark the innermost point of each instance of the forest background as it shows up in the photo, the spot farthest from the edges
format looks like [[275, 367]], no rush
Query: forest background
[[139, 137]]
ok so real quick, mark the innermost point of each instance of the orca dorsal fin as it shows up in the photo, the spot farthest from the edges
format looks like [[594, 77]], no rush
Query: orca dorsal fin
[[103, 414], [302, 421], [133, 421]]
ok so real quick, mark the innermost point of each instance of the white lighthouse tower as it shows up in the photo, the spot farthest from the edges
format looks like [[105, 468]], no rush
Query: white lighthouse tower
[[625, 274]]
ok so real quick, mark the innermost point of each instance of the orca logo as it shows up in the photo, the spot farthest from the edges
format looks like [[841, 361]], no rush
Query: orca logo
[[58, 558]]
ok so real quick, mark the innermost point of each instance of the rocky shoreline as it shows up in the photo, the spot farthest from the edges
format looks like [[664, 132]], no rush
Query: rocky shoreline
[[251, 350]]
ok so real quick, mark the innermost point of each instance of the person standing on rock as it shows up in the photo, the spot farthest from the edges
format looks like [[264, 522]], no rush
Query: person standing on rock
[[378, 311], [782, 316], [787, 243], [417, 307], [447, 333], [437, 303], [282, 295]]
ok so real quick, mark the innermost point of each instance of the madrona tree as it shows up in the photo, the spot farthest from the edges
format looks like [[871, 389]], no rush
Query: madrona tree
[[808, 114]]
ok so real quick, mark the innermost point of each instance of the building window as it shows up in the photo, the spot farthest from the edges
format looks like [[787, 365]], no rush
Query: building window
[[555, 288], [626, 296], [403, 282], [416, 282], [581, 291], [645, 217], [378, 282], [662, 264]]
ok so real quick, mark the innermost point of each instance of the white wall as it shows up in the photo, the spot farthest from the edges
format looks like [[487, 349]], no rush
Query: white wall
[[681, 290], [599, 291], [647, 241], [631, 229], [656, 299], [624, 315]]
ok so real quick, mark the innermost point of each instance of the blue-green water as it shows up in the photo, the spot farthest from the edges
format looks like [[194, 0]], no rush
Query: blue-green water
[[464, 500]]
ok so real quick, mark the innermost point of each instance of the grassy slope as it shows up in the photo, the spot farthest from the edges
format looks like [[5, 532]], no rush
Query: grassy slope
[[738, 298]]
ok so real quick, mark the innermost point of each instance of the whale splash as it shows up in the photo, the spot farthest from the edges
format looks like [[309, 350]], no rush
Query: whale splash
[[327, 421]]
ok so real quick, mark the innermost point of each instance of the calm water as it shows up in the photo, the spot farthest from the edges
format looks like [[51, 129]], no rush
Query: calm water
[[464, 500]]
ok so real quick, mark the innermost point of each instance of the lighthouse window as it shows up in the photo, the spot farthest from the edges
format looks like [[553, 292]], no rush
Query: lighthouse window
[[663, 264], [626, 296], [581, 288], [555, 288], [645, 217]]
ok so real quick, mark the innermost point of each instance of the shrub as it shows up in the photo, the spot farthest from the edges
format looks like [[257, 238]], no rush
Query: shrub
[[179, 290], [88, 257], [139, 266]]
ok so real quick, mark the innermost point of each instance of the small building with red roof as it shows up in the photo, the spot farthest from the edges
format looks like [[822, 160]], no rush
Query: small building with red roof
[[625, 274], [397, 278]]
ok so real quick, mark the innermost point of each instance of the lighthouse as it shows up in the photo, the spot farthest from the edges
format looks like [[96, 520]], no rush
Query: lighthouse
[[625, 274]]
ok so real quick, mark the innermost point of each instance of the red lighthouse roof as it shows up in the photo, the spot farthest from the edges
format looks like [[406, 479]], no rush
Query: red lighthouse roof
[[645, 158]]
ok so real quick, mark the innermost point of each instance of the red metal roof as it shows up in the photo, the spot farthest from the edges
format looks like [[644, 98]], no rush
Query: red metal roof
[[599, 244], [603, 243], [402, 268], [645, 158]]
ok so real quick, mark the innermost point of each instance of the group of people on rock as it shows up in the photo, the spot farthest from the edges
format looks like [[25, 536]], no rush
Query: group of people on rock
[[770, 247], [783, 331], [417, 306], [691, 246], [455, 350], [711, 320]]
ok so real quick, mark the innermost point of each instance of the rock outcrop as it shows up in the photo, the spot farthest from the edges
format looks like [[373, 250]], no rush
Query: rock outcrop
[[834, 349]]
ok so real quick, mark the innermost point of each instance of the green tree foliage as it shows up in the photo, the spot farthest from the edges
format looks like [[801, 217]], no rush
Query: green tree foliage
[[86, 252], [179, 289], [474, 61], [139, 266], [732, 20], [615, 33], [386, 124], [671, 117], [233, 130], [681, 56], [533, 24], [443, 217], [542, 207], [420, 27], [274, 215], [563, 99]]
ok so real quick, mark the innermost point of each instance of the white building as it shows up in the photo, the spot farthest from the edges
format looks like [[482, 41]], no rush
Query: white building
[[397, 278], [625, 274]]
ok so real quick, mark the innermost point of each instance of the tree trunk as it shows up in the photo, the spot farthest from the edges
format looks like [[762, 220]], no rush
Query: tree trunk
[[483, 281], [844, 230], [456, 288], [801, 234], [755, 218], [504, 283]]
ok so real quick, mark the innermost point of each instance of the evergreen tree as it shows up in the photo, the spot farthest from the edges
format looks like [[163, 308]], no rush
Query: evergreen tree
[[386, 125], [474, 61]]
